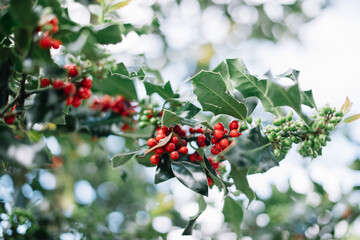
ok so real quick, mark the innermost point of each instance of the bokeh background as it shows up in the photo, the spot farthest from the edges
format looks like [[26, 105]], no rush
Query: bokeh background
[[301, 199]]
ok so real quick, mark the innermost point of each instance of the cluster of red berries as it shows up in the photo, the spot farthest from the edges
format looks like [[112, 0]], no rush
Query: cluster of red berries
[[216, 165], [119, 105], [75, 90], [218, 137], [174, 146], [49, 28]]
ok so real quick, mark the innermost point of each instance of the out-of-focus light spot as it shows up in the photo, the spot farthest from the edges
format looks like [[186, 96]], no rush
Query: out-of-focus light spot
[[67, 236], [341, 229], [115, 144], [312, 231], [47, 180], [79, 13], [324, 218], [162, 224], [274, 11], [244, 15], [106, 190], [114, 221], [142, 218], [300, 182], [84, 193], [53, 145], [227, 236], [215, 26], [211, 220], [262, 220], [313, 199], [83, 149], [37, 197], [27, 190], [21, 229]]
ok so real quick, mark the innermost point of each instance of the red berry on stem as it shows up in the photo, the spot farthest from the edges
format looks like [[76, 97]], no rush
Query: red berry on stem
[[151, 142], [218, 146], [58, 83], [45, 42], [184, 142], [160, 131], [219, 126], [226, 131], [199, 130], [45, 82], [174, 155], [183, 150], [215, 150], [165, 128], [193, 157], [86, 82], [201, 139], [177, 128], [234, 125], [210, 181], [9, 119], [214, 140], [76, 102], [69, 88], [192, 130], [224, 143], [159, 137], [174, 140], [170, 147], [84, 93], [69, 101], [155, 159], [159, 151], [55, 43], [234, 133], [72, 70], [218, 134]]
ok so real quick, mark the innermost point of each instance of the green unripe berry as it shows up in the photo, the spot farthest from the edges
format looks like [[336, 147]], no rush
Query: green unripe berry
[[339, 114], [144, 118], [258, 121], [298, 123], [277, 129], [286, 129], [293, 138], [271, 139], [309, 152], [287, 142], [143, 124], [249, 119], [297, 140], [293, 127], [315, 155], [273, 135], [328, 138], [145, 112], [329, 126], [243, 127], [276, 152], [338, 119], [283, 120], [277, 122], [321, 124], [289, 116], [313, 116], [311, 137], [154, 121], [304, 127], [332, 110], [321, 112], [326, 110], [333, 120]]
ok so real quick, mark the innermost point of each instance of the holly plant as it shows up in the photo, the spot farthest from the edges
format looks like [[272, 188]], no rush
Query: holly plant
[[56, 79]]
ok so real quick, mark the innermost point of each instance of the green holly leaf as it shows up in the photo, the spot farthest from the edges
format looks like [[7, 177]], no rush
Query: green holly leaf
[[212, 94], [233, 213], [308, 99], [123, 158], [252, 150], [116, 84], [165, 91], [47, 106], [190, 225], [5, 71], [107, 34], [239, 175], [191, 175], [188, 110], [217, 180], [23, 12], [170, 118], [164, 171]]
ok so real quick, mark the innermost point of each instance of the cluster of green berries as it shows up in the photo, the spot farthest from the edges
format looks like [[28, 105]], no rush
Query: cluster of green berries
[[75, 89], [285, 131], [149, 116]]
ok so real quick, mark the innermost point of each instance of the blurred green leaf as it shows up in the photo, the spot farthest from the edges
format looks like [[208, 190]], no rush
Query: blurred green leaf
[[107, 34], [188, 110], [23, 12], [190, 225], [233, 213], [191, 175], [252, 150], [351, 118], [239, 175], [122, 158], [307, 99], [5, 71], [210, 89], [165, 91]]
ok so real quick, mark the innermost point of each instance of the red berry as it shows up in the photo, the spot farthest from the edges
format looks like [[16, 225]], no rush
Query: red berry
[[174, 140], [165, 128], [210, 181], [45, 82], [215, 150], [184, 142], [45, 42], [174, 155], [199, 130], [159, 137], [151, 142], [226, 131], [183, 150], [159, 151], [234, 133], [215, 165], [69, 101], [182, 133], [218, 134], [192, 130], [72, 70], [86, 82], [69, 88], [199, 157], [76, 102], [218, 146], [219, 126], [170, 147], [193, 157], [224, 143], [201, 139], [58, 83], [9, 119], [214, 140], [55, 43], [155, 159], [84, 93], [160, 131], [234, 125], [177, 128]]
